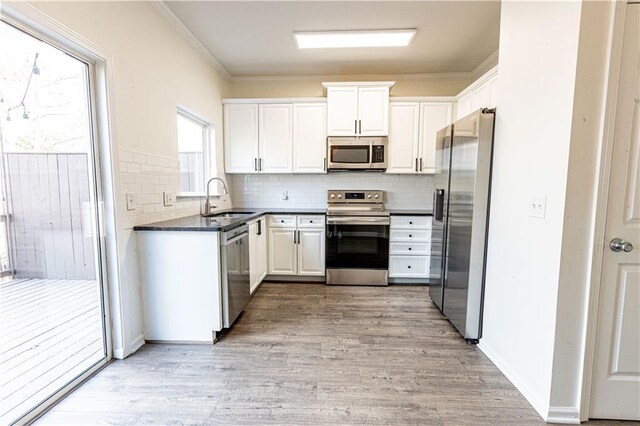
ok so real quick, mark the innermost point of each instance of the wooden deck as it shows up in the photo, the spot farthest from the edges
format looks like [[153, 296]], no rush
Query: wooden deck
[[50, 332]]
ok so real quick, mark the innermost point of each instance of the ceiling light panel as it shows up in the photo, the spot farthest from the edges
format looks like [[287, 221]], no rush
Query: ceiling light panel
[[350, 39]]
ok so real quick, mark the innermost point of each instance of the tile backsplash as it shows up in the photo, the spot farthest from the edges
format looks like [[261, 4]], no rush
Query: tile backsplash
[[310, 191], [147, 177]]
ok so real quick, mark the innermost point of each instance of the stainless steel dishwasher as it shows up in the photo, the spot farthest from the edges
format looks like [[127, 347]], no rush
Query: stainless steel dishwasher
[[234, 249]]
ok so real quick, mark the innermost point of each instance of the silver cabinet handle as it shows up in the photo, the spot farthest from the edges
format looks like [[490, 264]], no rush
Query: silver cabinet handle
[[421, 164], [618, 245], [255, 164], [416, 165], [325, 164], [355, 126], [359, 127], [259, 164]]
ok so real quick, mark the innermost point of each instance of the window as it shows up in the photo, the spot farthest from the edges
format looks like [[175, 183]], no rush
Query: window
[[193, 152]]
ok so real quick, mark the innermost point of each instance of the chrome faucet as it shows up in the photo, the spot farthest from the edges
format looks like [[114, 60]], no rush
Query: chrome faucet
[[207, 204]]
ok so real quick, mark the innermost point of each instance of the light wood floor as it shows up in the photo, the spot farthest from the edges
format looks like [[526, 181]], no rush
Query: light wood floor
[[50, 332], [309, 354]]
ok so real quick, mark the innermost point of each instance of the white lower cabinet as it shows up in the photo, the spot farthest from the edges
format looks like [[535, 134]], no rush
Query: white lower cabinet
[[296, 245], [282, 251], [257, 252], [410, 247]]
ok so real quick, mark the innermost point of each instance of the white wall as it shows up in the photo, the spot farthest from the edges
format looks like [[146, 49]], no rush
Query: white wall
[[155, 70], [310, 191], [554, 59], [538, 52]]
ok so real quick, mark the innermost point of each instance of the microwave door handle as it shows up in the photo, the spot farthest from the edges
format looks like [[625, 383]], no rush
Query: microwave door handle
[[371, 154]]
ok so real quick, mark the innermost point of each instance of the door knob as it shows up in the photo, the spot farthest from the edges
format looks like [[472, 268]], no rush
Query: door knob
[[618, 244]]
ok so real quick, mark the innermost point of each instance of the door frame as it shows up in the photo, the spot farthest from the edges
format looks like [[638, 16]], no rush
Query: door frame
[[100, 63], [602, 199]]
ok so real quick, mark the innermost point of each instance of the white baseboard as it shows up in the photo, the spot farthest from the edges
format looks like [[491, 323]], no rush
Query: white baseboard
[[564, 415], [122, 353], [536, 401]]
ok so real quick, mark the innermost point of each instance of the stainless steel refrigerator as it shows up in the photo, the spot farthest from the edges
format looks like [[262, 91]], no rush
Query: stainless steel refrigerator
[[462, 188]]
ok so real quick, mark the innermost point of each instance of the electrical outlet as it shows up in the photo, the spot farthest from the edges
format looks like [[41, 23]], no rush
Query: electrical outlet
[[538, 207], [169, 198], [285, 195], [132, 202]]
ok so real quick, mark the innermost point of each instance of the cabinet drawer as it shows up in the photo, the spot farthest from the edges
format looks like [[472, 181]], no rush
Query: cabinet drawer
[[282, 221], [410, 249], [409, 235], [409, 266], [411, 222], [315, 221]]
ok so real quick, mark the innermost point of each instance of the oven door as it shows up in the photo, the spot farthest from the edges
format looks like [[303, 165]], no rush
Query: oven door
[[357, 243], [348, 156]]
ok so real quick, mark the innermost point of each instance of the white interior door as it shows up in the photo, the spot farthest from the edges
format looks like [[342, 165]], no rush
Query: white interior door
[[616, 376]]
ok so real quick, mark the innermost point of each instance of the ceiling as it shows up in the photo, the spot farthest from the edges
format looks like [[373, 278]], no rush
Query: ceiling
[[256, 38]]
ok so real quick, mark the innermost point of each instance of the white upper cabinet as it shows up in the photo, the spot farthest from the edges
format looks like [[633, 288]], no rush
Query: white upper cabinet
[[404, 126], [412, 134], [373, 111], [342, 111], [309, 137], [241, 138], [433, 117], [275, 137], [358, 109], [482, 93]]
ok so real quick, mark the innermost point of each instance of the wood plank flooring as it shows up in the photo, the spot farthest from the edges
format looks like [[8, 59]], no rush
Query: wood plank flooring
[[309, 354], [50, 332]]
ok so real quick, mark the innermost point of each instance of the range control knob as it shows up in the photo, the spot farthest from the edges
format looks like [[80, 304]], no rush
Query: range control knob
[[339, 195], [333, 195], [369, 196], [377, 196]]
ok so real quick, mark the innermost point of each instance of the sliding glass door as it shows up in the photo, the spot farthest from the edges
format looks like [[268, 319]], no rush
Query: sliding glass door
[[52, 310]]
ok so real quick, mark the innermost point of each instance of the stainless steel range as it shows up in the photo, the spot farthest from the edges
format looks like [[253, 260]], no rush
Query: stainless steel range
[[357, 250]]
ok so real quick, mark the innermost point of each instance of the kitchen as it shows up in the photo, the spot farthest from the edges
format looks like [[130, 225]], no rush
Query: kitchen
[[317, 204]]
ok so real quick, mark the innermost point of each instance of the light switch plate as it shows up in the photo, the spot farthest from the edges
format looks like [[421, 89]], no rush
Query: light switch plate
[[132, 202], [169, 198], [538, 207]]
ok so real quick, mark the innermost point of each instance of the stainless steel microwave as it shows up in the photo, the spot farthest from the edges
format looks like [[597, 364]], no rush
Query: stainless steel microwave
[[348, 153]]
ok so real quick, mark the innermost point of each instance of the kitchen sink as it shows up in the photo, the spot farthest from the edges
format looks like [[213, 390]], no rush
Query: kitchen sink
[[228, 215]]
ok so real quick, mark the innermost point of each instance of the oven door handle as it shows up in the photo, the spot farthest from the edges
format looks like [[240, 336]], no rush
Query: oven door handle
[[354, 220]]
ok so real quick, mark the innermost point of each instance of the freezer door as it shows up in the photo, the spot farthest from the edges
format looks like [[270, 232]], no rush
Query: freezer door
[[469, 189], [440, 201]]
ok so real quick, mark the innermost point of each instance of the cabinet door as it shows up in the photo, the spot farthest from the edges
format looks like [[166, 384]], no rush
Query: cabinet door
[[262, 250], [481, 97], [493, 96], [282, 252], [373, 111], [433, 117], [342, 110], [404, 125], [464, 106], [241, 138], [311, 252], [254, 255], [276, 138], [309, 138]]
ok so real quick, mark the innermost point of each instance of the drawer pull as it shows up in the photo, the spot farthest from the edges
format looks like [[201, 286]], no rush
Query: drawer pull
[[409, 266], [410, 222], [409, 248], [410, 235], [310, 221], [282, 221]]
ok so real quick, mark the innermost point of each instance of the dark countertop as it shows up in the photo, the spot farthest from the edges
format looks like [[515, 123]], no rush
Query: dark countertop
[[198, 223], [410, 212]]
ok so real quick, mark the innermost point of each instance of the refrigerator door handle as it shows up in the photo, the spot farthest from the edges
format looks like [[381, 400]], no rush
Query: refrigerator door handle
[[438, 202]]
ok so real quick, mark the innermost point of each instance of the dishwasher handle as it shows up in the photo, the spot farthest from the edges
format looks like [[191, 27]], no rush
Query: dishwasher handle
[[236, 238]]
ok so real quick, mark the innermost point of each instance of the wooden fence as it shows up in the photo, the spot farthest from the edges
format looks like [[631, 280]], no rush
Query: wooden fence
[[51, 223]]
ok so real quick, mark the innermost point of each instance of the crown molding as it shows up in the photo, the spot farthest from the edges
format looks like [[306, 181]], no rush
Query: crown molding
[[348, 77], [484, 66], [166, 13]]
